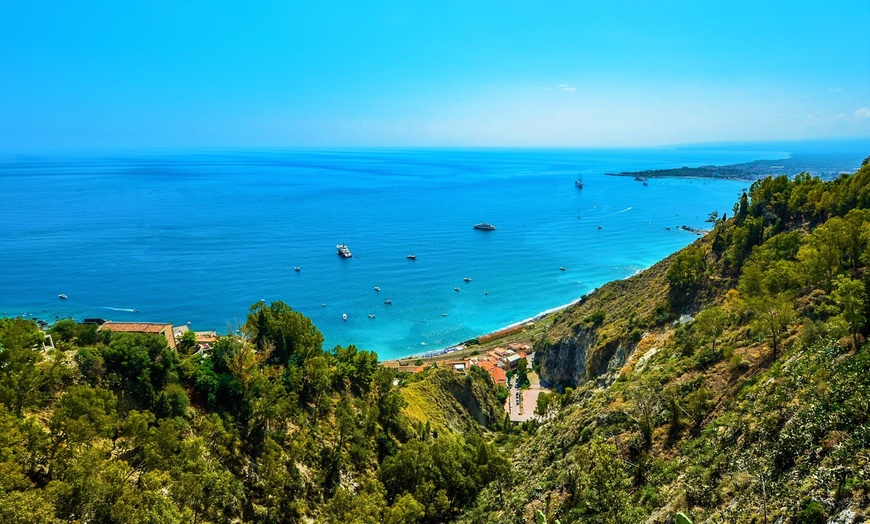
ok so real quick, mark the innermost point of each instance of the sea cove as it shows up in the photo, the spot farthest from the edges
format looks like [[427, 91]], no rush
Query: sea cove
[[198, 236]]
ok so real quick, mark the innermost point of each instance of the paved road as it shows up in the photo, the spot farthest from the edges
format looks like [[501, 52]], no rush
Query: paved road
[[528, 399]]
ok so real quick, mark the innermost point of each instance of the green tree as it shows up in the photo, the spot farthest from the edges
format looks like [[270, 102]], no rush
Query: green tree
[[851, 296], [771, 316], [710, 323]]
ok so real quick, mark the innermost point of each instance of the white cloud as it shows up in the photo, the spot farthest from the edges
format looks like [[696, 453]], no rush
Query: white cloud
[[862, 113], [566, 87], [835, 90]]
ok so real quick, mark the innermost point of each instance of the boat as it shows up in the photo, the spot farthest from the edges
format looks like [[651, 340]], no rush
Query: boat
[[377, 288], [297, 269], [578, 183], [343, 251], [62, 296], [456, 289], [562, 268], [344, 316], [484, 226], [599, 227], [388, 301], [371, 315], [644, 183], [467, 279], [412, 257]]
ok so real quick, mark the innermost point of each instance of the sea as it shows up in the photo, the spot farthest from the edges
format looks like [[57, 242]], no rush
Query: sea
[[197, 237]]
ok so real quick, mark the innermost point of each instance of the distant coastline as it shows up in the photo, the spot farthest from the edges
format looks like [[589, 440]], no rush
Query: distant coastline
[[822, 166]]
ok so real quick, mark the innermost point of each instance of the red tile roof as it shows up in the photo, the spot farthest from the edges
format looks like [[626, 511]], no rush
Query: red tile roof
[[498, 376], [136, 327]]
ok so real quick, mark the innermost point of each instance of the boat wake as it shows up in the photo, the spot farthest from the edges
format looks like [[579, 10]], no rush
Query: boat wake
[[623, 211], [126, 309]]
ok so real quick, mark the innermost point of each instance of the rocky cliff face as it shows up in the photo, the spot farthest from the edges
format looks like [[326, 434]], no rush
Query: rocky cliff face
[[576, 359], [452, 401]]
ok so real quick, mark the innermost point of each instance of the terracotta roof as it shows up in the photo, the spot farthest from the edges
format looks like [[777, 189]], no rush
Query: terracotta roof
[[498, 375], [136, 327], [485, 364]]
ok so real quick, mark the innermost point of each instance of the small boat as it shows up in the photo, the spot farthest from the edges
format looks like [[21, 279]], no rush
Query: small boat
[[467, 279], [377, 288], [599, 227], [484, 226], [562, 268], [486, 292], [644, 183], [344, 316], [371, 315], [578, 183], [388, 301], [411, 257], [323, 305], [456, 289], [297, 269], [343, 251], [62, 296], [443, 314]]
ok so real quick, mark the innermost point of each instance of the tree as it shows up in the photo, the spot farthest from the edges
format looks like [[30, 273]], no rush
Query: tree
[[686, 272], [851, 296], [710, 323], [772, 316]]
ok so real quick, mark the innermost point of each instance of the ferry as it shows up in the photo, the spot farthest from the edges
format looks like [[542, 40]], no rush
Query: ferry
[[485, 226], [343, 251]]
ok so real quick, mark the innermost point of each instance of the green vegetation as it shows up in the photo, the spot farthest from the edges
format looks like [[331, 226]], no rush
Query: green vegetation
[[267, 427], [728, 383]]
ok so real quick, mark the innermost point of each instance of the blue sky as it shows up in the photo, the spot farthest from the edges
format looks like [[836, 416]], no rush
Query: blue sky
[[108, 74]]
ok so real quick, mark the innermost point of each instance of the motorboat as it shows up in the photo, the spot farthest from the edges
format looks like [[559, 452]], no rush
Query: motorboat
[[343, 251], [377, 288], [467, 279], [484, 226], [562, 268], [456, 289], [62, 296], [411, 257], [297, 269], [344, 316], [371, 315], [578, 183], [388, 301]]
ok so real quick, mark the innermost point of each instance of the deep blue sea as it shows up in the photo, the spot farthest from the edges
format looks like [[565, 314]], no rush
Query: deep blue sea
[[200, 236]]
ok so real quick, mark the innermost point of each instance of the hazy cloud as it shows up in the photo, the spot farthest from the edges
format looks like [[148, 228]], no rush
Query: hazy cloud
[[566, 87], [862, 113], [835, 90]]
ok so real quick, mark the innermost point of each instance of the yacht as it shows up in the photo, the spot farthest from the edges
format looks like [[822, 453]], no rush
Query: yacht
[[485, 226], [62, 296], [297, 269], [343, 251], [344, 316], [412, 257], [467, 279]]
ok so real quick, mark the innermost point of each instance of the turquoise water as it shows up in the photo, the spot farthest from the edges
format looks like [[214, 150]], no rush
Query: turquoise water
[[199, 236]]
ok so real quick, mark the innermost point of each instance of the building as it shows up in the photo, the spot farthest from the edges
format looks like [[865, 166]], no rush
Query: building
[[151, 328], [498, 376]]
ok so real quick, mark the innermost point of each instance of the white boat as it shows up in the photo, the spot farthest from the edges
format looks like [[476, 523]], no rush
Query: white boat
[[297, 269], [388, 301], [467, 279], [343, 251], [484, 226], [371, 315], [62, 296], [377, 288], [562, 268], [412, 257], [344, 316], [456, 289]]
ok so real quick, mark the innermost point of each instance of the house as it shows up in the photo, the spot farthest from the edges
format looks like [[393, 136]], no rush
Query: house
[[498, 376], [151, 328], [512, 361]]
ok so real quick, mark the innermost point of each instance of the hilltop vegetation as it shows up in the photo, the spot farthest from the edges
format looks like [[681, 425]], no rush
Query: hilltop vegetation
[[266, 427], [730, 382]]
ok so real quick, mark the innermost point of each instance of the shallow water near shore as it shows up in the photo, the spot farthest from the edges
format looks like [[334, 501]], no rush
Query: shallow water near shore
[[199, 236]]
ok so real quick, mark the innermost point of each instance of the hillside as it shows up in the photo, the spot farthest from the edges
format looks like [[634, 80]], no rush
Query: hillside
[[730, 382]]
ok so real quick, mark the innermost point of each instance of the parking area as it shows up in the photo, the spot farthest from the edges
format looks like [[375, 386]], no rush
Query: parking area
[[521, 404]]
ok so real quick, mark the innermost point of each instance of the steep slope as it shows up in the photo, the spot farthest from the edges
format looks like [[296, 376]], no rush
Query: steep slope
[[730, 382]]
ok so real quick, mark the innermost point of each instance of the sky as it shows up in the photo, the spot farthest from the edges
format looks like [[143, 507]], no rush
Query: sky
[[397, 73]]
